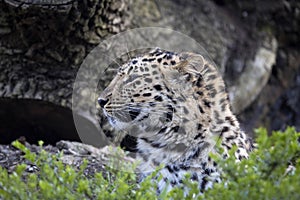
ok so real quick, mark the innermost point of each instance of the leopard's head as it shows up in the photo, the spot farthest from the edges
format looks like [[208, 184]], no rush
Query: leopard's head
[[156, 92]]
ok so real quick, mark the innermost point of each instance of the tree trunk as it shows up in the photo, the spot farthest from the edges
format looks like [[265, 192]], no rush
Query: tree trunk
[[42, 44]]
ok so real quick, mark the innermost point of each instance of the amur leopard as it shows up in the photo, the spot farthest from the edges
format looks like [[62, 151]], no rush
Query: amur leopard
[[176, 105]]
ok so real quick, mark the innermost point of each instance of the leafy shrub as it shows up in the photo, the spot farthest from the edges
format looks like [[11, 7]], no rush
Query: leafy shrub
[[271, 172]]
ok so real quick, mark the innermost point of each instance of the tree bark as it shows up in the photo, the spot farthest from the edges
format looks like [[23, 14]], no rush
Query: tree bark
[[42, 44]]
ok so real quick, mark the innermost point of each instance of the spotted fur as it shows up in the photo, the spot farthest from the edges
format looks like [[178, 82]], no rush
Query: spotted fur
[[177, 108]]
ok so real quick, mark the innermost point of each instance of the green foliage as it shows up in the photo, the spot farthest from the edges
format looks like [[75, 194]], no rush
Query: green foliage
[[271, 172], [267, 174]]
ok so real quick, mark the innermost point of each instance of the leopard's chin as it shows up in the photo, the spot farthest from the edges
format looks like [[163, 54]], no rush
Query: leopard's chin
[[117, 123], [112, 120]]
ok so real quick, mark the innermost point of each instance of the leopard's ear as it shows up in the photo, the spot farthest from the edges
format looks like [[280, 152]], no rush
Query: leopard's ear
[[202, 75], [185, 75], [190, 63], [199, 69], [191, 69]]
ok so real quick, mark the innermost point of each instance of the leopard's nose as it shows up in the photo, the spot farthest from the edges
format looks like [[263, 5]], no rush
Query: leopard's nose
[[102, 102]]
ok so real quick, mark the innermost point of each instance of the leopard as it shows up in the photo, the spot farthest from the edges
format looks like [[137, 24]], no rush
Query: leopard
[[177, 108]]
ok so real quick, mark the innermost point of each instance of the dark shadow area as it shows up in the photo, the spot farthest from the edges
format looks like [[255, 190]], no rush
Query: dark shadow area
[[35, 120]]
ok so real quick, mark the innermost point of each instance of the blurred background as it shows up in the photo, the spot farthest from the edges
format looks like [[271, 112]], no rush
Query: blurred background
[[255, 44]]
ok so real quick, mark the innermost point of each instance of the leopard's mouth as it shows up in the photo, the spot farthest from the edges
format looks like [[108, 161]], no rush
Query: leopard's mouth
[[123, 115], [112, 120], [119, 122]]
